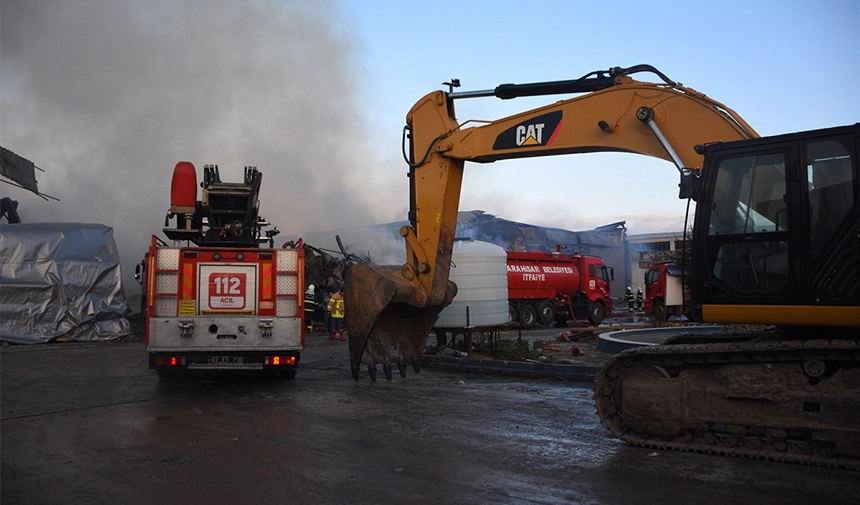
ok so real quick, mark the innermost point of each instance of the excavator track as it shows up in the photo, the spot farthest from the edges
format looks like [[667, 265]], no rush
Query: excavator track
[[795, 401]]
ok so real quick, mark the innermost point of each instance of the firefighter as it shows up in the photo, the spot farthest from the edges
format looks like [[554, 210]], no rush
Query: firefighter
[[310, 308], [639, 299], [628, 296], [335, 306]]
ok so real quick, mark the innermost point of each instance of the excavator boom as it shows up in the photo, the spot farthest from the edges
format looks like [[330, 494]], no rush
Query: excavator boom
[[392, 309]]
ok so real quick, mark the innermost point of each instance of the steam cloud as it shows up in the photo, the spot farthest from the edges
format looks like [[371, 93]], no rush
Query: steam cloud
[[107, 96]]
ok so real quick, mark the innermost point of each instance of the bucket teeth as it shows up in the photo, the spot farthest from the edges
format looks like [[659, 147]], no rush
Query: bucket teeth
[[386, 324]]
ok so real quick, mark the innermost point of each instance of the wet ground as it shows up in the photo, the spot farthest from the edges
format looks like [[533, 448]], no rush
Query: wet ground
[[88, 423]]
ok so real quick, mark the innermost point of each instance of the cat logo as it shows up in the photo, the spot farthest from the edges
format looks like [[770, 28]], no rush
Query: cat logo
[[529, 135], [537, 131]]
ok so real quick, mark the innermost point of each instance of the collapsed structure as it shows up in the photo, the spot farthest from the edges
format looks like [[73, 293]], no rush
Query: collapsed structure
[[381, 244]]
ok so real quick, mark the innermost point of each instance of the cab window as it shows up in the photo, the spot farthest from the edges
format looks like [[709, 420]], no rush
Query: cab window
[[652, 276], [830, 184], [749, 221], [601, 273], [749, 196]]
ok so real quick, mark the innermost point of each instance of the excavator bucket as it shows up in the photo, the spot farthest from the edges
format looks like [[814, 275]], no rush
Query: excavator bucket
[[386, 325]]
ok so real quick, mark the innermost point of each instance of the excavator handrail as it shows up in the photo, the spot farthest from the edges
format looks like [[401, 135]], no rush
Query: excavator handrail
[[590, 82]]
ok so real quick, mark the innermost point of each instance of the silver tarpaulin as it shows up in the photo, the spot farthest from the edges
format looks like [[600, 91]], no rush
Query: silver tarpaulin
[[60, 280]]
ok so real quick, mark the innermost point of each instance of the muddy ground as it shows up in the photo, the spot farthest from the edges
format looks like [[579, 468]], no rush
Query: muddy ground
[[88, 423]]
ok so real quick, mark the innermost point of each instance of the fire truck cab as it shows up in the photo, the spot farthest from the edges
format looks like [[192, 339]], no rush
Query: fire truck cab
[[663, 291]]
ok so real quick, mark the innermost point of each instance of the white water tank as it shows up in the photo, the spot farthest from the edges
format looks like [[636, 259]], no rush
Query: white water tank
[[480, 271]]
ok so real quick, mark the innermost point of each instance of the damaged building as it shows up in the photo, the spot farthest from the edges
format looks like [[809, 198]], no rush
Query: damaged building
[[383, 245]]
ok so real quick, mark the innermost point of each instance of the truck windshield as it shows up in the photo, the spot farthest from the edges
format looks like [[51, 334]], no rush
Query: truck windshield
[[652, 276], [602, 273]]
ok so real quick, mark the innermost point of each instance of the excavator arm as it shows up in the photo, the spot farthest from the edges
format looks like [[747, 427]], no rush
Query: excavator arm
[[391, 310]]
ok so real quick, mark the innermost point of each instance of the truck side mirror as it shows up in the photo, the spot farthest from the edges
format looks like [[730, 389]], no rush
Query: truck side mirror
[[138, 273], [689, 187], [611, 274]]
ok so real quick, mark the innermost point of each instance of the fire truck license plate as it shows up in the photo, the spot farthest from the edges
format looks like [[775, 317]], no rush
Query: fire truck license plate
[[226, 360]]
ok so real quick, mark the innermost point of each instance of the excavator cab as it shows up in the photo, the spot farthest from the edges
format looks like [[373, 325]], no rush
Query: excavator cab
[[775, 238]]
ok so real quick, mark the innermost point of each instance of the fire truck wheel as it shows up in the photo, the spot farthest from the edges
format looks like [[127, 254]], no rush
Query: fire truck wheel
[[659, 310], [528, 316], [547, 312], [512, 313], [596, 311]]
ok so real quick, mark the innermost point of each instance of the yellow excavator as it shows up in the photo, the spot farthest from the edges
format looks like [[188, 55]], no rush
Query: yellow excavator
[[776, 242]]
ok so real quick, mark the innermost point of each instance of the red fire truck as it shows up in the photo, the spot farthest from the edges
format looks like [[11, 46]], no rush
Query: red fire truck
[[543, 288], [663, 291], [223, 303]]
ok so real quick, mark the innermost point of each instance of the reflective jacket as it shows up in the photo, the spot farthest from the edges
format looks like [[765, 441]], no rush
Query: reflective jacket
[[310, 302], [335, 305]]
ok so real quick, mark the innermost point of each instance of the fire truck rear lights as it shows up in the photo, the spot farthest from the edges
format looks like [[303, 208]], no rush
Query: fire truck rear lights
[[216, 256], [189, 254], [280, 360], [240, 256], [169, 360], [265, 255]]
